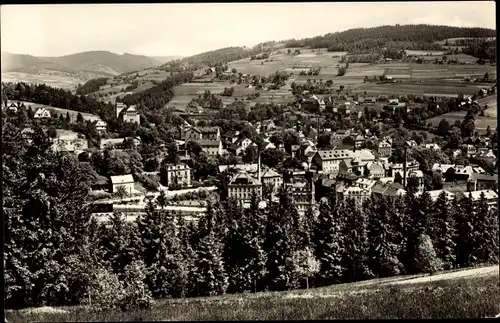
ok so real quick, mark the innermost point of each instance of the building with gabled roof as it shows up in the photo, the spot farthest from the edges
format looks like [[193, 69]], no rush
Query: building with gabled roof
[[42, 113], [328, 161], [242, 186], [490, 196], [127, 181], [211, 147], [271, 177]]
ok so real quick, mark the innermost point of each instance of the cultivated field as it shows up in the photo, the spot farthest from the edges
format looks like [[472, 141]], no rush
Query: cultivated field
[[64, 82], [470, 293]]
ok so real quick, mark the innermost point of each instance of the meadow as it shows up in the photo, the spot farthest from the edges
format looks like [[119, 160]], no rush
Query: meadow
[[73, 114], [413, 297]]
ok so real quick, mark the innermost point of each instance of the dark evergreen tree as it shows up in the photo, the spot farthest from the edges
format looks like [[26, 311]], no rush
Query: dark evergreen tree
[[463, 212], [442, 231], [328, 240], [355, 244]]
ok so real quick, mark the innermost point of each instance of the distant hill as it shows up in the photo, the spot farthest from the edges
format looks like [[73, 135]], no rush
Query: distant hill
[[165, 59], [99, 62], [398, 37], [416, 37]]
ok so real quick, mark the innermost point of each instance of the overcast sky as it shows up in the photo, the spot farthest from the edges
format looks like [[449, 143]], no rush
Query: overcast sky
[[188, 29]]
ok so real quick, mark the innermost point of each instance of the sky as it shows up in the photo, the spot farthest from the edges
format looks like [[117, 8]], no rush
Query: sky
[[189, 29]]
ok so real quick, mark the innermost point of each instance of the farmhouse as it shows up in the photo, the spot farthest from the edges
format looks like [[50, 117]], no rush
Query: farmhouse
[[112, 143], [42, 113], [127, 181]]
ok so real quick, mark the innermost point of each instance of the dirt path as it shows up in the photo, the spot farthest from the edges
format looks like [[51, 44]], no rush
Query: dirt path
[[484, 271]]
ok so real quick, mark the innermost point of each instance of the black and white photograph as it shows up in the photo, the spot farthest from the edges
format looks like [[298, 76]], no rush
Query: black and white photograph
[[249, 161]]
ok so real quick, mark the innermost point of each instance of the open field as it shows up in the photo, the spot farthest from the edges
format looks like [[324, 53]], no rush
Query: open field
[[64, 82], [470, 293], [481, 122], [73, 114]]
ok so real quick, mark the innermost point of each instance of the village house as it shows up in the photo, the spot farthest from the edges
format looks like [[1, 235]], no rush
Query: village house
[[433, 147], [101, 126], [338, 137], [384, 149], [359, 194], [271, 177], [242, 186], [364, 155], [479, 182], [267, 125], [69, 141], [302, 194], [42, 113], [194, 109], [130, 115], [328, 161], [206, 133], [244, 143], [469, 150], [235, 149], [126, 181], [411, 143], [490, 196], [178, 174], [388, 189], [112, 143], [375, 170], [211, 147]]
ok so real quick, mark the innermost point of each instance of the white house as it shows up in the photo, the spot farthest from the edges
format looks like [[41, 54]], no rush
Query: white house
[[101, 126], [42, 113], [127, 181]]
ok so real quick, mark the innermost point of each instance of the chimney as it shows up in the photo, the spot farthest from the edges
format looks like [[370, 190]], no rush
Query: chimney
[[258, 167]]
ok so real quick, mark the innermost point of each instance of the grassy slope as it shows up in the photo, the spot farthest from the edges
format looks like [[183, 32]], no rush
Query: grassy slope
[[475, 296]]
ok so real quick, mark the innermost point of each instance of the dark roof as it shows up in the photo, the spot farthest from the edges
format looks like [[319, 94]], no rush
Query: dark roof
[[204, 142], [484, 177]]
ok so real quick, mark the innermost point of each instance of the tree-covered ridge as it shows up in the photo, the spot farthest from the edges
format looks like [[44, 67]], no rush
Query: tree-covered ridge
[[212, 58], [155, 98], [403, 36], [91, 86]]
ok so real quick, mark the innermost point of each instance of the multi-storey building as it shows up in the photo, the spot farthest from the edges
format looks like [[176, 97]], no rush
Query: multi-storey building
[[178, 174], [242, 186]]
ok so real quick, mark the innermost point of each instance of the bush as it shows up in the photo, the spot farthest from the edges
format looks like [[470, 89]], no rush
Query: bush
[[137, 294], [106, 290]]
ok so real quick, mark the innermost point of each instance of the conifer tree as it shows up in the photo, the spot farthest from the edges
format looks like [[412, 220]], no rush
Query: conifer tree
[[384, 223], [443, 231], [355, 245], [187, 256], [484, 240], [463, 212], [210, 274], [280, 244], [328, 240], [426, 260]]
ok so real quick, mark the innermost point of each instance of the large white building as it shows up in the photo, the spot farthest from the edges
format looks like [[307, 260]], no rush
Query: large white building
[[328, 161], [243, 185]]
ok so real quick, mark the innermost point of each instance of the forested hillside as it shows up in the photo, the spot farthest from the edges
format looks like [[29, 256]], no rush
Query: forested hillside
[[404, 37]]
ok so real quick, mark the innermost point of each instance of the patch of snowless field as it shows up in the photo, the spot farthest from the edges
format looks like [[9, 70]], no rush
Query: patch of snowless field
[[311, 61], [305, 55]]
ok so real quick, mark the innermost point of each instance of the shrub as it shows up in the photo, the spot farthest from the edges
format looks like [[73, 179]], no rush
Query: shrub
[[137, 294], [106, 290]]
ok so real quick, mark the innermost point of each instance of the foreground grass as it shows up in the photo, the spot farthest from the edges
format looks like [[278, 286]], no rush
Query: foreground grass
[[461, 298]]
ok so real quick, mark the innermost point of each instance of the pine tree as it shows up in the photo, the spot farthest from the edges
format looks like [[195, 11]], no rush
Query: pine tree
[[187, 256], [385, 236], [426, 260], [484, 240], [211, 277], [463, 212], [160, 248], [443, 231], [356, 246], [280, 244], [328, 240]]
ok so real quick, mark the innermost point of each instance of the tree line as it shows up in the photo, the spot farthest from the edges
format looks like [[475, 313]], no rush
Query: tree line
[[91, 86]]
